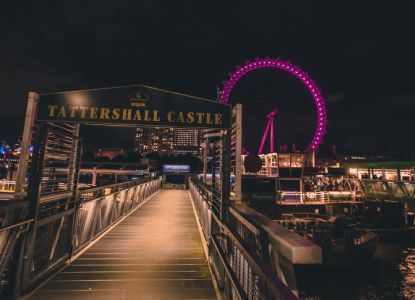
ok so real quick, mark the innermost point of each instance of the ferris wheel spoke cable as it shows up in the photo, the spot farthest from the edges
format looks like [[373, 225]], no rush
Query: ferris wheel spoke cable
[[288, 137], [288, 132], [284, 134]]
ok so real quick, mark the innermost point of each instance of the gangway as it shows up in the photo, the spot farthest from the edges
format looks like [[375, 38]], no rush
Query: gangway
[[131, 240], [154, 253], [134, 241]]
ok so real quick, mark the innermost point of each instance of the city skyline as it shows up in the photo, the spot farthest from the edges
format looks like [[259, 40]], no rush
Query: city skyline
[[200, 150], [369, 94]]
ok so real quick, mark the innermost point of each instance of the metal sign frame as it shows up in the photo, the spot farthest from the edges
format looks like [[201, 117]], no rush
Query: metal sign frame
[[135, 105], [46, 126]]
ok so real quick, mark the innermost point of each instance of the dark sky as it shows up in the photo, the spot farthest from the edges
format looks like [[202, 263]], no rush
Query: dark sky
[[361, 55]]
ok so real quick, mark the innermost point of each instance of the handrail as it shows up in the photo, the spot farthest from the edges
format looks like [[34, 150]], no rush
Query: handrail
[[56, 196], [398, 190], [113, 188], [203, 190], [292, 246], [128, 183], [387, 180], [62, 228], [275, 287], [93, 205], [258, 242], [20, 224], [296, 248], [12, 211], [228, 269]]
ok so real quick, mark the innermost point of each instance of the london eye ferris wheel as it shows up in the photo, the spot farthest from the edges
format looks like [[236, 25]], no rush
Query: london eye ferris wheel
[[319, 127]]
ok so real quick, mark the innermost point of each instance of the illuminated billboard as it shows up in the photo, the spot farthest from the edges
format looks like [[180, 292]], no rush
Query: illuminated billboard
[[176, 168]]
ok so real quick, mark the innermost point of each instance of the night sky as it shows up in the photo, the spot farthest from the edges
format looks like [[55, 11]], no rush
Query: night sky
[[361, 55]]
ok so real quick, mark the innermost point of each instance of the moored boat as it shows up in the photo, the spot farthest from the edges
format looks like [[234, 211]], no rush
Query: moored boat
[[343, 240]]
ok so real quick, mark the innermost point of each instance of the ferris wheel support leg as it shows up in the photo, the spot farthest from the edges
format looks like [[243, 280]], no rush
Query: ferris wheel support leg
[[264, 137], [271, 146], [311, 158]]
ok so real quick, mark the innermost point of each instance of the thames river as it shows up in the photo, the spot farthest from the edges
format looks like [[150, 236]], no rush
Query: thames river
[[390, 276]]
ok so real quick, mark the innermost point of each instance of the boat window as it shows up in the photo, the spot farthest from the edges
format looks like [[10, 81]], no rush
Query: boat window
[[258, 186], [289, 185]]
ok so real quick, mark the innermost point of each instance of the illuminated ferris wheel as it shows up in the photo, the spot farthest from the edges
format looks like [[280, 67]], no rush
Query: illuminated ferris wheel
[[277, 64]]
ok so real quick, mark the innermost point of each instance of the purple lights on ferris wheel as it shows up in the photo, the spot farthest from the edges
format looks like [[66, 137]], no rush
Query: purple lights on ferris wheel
[[292, 69]]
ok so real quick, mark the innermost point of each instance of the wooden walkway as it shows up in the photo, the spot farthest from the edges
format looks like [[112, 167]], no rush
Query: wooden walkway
[[155, 253]]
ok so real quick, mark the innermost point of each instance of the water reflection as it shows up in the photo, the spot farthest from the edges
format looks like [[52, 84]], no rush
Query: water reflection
[[391, 276], [407, 268]]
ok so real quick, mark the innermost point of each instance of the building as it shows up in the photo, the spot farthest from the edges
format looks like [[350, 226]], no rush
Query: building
[[154, 140], [187, 141], [168, 141]]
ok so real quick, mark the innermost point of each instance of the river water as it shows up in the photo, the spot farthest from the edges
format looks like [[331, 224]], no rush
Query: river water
[[391, 276]]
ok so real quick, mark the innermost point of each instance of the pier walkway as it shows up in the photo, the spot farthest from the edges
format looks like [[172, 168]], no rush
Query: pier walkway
[[154, 253]]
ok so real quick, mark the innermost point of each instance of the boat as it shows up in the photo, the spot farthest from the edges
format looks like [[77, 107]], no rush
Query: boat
[[343, 239], [327, 193], [389, 219]]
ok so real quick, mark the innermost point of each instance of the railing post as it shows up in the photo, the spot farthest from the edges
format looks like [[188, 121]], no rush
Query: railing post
[[33, 194], [20, 245], [225, 175], [73, 235]]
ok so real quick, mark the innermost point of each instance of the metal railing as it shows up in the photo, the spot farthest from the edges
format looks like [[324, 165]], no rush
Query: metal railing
[[389, 190], [99, 208], [61, 228], [321, 196], [12, 225], [252, 257], [203, 204]]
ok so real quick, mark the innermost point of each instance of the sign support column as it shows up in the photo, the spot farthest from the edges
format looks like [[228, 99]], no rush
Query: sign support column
[[31, 110]]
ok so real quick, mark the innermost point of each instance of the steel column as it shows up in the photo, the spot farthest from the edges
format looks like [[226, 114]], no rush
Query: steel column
[[31, 110]]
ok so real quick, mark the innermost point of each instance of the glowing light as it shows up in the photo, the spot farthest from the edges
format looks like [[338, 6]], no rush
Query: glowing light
[[295, 71]]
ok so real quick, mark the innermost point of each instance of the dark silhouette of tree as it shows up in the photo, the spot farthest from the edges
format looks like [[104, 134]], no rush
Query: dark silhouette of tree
[[134, 157], [88, 156], [120, 158], [102, 159], [153, 156]]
